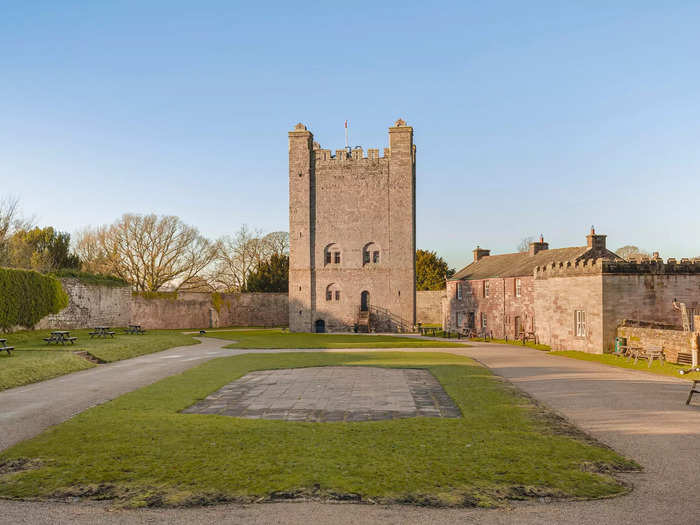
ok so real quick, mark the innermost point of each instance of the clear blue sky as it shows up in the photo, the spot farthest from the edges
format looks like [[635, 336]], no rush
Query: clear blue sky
[[529, 117]]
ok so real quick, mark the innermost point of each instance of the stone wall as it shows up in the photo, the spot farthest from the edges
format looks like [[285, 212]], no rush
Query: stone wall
[[90, 305], [672, 340], [429, 306], [501, 308], [556, 301], [204, 310]]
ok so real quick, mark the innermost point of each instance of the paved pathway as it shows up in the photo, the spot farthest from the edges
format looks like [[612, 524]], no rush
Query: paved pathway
[[639, 414]]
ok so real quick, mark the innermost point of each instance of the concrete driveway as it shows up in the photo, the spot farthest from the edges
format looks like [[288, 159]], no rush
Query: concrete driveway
[[640, 415]]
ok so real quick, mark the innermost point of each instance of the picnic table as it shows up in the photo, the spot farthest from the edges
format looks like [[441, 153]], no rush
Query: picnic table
[[135, 329], [528, 336], [5, 348], [645, 352], [60, 336], [101, 331]]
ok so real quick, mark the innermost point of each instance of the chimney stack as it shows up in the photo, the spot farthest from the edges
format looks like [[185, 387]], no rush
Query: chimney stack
[[480, 253], [596, 242], [536, 247]]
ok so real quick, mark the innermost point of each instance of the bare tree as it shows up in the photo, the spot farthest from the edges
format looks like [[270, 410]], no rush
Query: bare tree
[[10, 223], [630, 252], [524, 244], [241, 254], [147, 251], [277, 243]]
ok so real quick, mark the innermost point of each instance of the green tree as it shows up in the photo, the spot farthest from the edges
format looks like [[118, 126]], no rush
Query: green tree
[[431, 271], [271, 275], [41, 249]]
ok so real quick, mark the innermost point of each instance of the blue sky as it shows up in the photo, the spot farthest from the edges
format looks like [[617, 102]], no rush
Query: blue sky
[[529, 117]]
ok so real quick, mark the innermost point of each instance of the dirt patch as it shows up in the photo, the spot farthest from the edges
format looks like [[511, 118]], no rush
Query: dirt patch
[[11, 466]]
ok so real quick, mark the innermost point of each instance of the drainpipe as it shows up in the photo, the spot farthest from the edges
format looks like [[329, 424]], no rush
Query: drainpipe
[[504, 309]]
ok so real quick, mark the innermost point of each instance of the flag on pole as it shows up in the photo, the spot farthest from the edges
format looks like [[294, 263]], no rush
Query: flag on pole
[[346, 124]]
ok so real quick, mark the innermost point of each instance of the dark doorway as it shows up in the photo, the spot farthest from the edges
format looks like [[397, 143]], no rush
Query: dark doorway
[[364, 301], [320, 326], [518, 326]]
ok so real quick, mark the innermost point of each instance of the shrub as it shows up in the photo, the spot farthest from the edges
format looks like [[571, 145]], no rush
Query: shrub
[[90, 278], [27, 296]]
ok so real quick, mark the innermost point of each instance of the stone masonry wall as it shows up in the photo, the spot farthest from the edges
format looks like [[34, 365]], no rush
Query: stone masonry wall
[[347, 203], [502, 308], [557, 299], [199, 310], [672, 341], [90, 305], [429, 306]]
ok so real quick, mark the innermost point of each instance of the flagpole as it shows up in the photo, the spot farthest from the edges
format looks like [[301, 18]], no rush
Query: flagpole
[[347, 147]]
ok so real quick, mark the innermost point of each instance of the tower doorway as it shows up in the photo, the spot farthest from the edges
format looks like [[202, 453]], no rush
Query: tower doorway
[[320, 326], [364, 301]]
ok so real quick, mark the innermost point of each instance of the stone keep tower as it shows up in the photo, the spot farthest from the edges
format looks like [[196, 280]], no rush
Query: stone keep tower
[[352, 231]]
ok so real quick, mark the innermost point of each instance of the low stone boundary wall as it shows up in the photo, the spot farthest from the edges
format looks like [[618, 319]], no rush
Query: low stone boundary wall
[[673, 340], [429, 306], [90, 305], [207, 310]]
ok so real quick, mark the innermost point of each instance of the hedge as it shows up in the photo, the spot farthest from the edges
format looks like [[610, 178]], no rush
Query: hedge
[[26, 297]]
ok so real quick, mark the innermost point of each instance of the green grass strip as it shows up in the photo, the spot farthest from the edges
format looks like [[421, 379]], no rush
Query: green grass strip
[[139, 450]]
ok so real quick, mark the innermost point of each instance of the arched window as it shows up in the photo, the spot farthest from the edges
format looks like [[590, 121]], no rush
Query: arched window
[[370, 254], [331, 254], [332, 292]]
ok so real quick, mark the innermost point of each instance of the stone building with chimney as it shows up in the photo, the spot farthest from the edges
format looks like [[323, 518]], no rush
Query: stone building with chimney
[[571, 298], [352, 225]]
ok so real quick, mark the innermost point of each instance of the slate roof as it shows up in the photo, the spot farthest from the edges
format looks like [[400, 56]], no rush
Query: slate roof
[[523, 264]]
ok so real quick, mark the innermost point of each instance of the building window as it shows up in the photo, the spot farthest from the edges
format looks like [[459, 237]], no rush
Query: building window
[[459, 291], [331, 254], [459, 319], [486, 288], [518, 287], [470, 320], [332, 292], [580, 322], [370, 253], [484, 322]]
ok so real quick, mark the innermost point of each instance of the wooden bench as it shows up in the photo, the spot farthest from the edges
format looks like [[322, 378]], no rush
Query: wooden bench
[[693, 390]]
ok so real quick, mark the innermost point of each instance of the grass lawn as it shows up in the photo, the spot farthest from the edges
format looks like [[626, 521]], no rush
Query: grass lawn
[[139, 450], [667, 369], [278, 338], [33, 360]]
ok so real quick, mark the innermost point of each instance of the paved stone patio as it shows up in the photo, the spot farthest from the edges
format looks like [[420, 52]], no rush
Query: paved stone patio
[[332, 393]]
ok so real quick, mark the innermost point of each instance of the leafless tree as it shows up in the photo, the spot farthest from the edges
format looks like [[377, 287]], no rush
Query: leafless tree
[[241, 253], [630, 252], [147, 251], [10, 222], [524, 244]]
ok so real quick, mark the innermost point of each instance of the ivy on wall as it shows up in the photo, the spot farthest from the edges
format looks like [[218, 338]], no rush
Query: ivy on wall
[[27, 296]]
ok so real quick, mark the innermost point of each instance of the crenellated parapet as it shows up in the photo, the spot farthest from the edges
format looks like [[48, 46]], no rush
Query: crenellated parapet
[[354, 155], [607, 266]]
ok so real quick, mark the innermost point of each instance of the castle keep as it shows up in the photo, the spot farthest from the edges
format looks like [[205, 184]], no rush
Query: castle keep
[[352, 225]]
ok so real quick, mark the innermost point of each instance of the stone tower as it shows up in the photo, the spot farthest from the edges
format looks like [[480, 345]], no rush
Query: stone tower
[[352, 231]]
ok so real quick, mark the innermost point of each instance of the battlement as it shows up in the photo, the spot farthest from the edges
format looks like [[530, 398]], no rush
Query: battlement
[[343, 155], [608, 266]]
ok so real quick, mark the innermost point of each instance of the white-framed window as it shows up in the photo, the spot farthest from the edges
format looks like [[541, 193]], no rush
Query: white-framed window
[[518, 287], [458, 319], [484, 322], [486, 288], [580, 323], [459, 291]]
